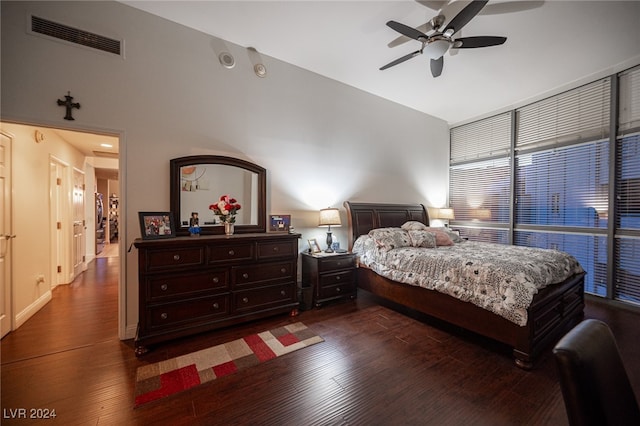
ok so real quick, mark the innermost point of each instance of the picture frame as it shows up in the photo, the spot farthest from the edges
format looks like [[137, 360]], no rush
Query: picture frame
[[314, 247], [156, 225], [279, 222]]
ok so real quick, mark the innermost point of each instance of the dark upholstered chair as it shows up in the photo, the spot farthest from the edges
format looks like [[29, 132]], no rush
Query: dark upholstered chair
[[594, 382]]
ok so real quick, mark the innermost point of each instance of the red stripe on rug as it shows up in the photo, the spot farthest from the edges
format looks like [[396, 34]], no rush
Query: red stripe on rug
[[172, 382], [225, 368], [260, 348], [288, 339]]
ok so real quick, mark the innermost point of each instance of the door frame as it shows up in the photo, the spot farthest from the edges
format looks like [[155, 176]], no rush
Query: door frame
[[123, 333], [7, 215]]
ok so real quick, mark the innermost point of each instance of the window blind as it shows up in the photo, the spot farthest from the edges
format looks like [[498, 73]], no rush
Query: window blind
[[566, 186], [627, 247], [627, 286], [629, 114], [487, 138], [581, 114]]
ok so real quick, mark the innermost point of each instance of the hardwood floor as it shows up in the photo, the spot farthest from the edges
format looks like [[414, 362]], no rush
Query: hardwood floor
[[375, 367]]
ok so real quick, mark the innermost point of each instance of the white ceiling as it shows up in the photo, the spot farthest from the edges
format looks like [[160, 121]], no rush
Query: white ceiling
[[552, 45]]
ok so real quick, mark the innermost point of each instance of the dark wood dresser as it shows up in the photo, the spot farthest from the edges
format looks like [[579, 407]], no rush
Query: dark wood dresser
[[192, 284]]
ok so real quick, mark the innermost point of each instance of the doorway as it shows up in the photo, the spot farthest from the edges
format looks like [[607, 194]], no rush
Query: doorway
[[68, 161]]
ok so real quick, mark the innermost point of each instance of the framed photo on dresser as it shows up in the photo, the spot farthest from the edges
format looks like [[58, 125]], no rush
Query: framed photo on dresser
[[279, 222], [154, 225]]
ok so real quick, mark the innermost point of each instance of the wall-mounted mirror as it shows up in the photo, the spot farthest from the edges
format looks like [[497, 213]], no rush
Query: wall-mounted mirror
[[198, 181]]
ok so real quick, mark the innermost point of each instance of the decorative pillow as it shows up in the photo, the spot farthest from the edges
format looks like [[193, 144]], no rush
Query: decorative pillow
[[452, 235], [390, 238], [413, 225], [422, 239], [442, 239]]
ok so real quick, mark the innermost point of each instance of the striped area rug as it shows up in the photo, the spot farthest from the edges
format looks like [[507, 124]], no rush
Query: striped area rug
[[165, 378]]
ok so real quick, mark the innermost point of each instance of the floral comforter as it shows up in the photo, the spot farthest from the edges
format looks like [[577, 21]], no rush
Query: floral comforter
[[500, 278]]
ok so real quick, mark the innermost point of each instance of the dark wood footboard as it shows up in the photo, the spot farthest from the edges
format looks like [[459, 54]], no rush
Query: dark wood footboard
[[554, 311]]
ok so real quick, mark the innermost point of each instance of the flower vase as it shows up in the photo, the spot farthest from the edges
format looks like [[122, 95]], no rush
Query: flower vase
[[228, 228]]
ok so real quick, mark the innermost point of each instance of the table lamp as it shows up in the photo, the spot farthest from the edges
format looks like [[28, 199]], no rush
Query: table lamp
[[329, 217]]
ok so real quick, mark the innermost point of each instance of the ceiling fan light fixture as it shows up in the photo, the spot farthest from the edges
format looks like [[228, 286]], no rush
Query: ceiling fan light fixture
[[436, 48]]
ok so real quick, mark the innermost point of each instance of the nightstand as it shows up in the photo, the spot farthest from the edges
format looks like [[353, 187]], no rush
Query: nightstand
[[330, 276]]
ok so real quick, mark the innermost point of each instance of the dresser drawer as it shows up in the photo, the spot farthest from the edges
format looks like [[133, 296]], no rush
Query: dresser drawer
[[274, 249], [168, 286], [161, 260], [252, 275], [188, 311], [230, 252], [335, 263], [264, 297]]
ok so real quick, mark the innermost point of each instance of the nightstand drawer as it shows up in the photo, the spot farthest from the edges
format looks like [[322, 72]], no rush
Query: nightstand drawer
[[163, 287], [336, 290], [337, 278], [335, 263]]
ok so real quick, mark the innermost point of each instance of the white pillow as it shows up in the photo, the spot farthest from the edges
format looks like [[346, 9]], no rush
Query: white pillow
[[414, 225]]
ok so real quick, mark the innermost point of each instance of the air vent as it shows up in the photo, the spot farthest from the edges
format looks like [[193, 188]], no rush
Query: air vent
[[74, 35]]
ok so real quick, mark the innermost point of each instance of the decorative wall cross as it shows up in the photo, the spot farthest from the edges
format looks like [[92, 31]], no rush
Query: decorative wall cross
[[69, 104]]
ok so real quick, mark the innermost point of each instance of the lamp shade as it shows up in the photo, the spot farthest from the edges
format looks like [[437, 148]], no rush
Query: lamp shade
[[445, 213], [330, 217]]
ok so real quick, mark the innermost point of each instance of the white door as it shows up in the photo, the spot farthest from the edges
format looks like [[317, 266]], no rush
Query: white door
[[6, 316], [59, 252], [78, 223]]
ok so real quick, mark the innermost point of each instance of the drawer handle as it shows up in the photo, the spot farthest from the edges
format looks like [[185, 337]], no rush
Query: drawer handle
[[232, 253], [338, 290], [283, 270], [245, 275], [164, 315], [245, 299], [216, 280], [276, 249], [176, 257], [339, 263], [163, 287], [216, 306], [283, 293], [338, 278]]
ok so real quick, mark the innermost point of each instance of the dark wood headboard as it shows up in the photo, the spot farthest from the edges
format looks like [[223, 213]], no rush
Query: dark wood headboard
[[363, 217]]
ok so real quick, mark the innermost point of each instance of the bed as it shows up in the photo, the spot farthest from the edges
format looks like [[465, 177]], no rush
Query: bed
[[554, 310]]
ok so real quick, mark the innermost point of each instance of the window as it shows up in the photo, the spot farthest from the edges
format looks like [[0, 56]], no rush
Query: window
[[547, 181]]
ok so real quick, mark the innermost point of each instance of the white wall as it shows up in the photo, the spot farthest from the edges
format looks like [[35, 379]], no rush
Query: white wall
[[321, 142]]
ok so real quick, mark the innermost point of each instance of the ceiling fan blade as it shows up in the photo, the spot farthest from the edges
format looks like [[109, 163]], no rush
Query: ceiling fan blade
[[407, 31], [401, 60], [436, 66], [510, 7], [463, 18], [481, 41], [433, 4], [426, 27]]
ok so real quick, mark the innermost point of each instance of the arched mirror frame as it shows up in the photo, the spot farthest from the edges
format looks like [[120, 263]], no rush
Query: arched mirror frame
[[175, 191]]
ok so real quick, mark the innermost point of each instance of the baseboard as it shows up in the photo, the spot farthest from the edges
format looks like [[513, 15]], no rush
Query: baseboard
[[30, 310], [130, 332]]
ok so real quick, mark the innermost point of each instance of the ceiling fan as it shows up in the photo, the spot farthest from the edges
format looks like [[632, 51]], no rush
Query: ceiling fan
[[441, 40]]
